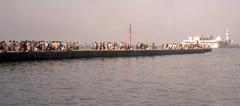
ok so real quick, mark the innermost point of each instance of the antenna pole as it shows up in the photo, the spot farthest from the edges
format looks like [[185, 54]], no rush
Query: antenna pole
[[130, 35]]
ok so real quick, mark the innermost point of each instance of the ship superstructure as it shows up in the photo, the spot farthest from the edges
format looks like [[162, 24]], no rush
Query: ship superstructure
[[213, 42]]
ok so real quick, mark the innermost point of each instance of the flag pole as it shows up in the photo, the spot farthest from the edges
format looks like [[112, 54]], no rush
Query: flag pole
[[130, 35]]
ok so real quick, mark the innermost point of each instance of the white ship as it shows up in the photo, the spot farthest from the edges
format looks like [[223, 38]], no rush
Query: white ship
[[213, 42]]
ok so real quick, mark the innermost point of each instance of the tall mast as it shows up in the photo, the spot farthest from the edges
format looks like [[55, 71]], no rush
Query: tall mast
[[130, 35]]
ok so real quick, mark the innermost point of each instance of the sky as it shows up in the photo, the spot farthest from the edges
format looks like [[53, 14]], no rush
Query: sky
[[108, 20]]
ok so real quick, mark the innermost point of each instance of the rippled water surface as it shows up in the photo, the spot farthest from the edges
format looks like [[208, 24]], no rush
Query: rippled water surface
[[209, 79]]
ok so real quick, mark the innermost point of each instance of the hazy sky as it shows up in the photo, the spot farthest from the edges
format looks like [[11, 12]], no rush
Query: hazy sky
[[108, 20]]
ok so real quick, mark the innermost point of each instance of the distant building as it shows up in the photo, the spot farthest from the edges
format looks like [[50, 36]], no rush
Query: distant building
[[210, 41]]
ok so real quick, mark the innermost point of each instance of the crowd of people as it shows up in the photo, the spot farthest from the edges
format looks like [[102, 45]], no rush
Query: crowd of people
[[44, 46], [121, 46], [110, 46], [178, 46], [37, 46], [144, 46]]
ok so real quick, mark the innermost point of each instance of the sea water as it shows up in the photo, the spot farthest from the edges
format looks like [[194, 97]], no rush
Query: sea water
[[208, 79]]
